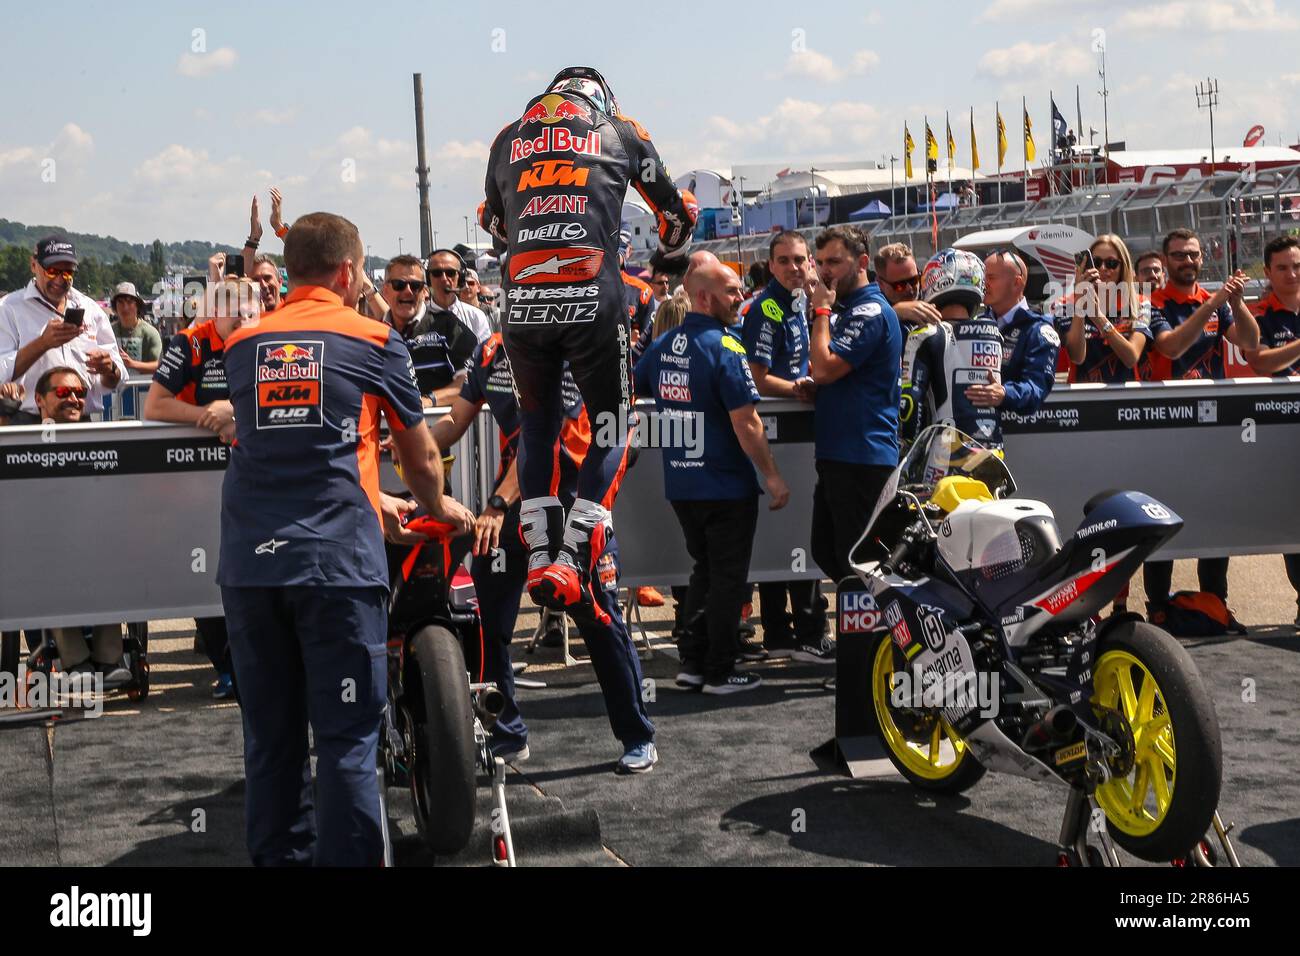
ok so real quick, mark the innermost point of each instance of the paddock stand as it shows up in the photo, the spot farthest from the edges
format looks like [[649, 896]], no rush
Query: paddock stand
[[856, 749]]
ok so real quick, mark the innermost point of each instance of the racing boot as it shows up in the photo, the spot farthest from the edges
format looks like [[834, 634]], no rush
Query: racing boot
[[541, 526], [569, 577]]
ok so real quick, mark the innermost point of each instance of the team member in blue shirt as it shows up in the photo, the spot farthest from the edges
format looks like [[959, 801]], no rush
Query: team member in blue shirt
[[699, 370], [774, 330], [1029, 341], [855, 367], [303, 572]]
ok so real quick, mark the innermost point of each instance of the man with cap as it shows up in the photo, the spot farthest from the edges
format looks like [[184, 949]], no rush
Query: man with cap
[[139, 341], [49, 324]]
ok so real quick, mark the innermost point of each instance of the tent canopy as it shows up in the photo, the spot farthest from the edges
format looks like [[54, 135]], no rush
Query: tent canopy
[[872, 210]]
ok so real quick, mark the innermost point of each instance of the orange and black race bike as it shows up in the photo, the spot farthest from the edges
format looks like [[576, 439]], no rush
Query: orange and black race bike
[[986, 652], [434, 739]]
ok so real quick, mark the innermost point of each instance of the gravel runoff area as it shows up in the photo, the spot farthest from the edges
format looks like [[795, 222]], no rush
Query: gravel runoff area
[[161, 782]]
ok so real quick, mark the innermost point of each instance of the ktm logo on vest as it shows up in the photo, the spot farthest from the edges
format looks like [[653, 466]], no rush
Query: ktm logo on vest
[[552, 172]]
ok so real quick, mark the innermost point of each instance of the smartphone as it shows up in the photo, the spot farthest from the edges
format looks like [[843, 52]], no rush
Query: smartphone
[[74, 316], [235, 264], [1085, 261]]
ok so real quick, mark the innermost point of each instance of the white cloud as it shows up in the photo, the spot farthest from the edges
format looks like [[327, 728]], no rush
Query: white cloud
[[1291, 78], [203, 64], [72, 143], [1059, 56], [795, 128], [1210, 16], [1002, 11], [820, 67], [457, 152]]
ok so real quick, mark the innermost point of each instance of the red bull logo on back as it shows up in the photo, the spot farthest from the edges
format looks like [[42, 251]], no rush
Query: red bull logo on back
[[552, 108], [283, 361]]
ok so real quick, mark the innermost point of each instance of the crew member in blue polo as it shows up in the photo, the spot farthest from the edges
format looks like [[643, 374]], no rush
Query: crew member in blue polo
[[774, 329], [855, 366], [303, 573], [1029, 341], [703, 388]]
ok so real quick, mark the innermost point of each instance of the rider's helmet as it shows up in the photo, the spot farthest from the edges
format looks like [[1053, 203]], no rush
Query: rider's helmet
[[953, 276], [587, 82]]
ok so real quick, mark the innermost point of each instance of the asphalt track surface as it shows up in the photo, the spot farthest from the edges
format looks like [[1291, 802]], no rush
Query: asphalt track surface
[[735, 784]]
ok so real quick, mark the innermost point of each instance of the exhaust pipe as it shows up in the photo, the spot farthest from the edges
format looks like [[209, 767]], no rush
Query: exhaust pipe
[[488, 704], [1057, 725]]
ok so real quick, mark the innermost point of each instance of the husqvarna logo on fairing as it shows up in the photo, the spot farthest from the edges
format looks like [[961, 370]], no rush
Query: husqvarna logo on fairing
[[1156, 512]]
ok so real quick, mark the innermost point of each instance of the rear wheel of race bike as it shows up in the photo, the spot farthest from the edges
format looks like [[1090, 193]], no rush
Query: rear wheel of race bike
[[442, 768], [1165, 788], [928, 752]]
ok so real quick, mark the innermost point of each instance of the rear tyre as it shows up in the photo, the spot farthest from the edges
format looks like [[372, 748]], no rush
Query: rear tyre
[[1163, 804], [926, 750], [442, 769]]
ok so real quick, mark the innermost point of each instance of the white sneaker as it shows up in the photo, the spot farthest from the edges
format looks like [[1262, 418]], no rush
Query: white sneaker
[[734, 684]]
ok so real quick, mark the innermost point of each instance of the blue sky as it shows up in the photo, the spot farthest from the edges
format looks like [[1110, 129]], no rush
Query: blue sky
[[162, 120]]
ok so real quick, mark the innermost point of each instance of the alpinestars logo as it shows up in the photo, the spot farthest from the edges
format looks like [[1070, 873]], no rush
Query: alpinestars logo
[[556, 265]]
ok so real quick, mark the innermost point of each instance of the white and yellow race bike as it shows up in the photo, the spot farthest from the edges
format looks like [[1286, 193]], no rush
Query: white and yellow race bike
[[988, 656]]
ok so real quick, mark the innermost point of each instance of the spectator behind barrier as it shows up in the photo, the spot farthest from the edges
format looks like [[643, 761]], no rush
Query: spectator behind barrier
[[1106, 322], [470, 289], [60, 398], [1190, 326], [35, 338], [445, 273], [11, 401], [1189, 323], [254, 263], [1150, 268], [660, 284], [439, 342], [1030, 342], [1279, 338], [138, 341]]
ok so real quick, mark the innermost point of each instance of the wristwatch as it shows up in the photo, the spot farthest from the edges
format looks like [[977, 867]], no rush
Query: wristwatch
[[499, 503]]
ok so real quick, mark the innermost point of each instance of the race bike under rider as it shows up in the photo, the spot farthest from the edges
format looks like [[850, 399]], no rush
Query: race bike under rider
[[941, 361], [555, 185]]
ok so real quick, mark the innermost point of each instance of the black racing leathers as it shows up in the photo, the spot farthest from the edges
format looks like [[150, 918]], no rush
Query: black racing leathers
[[555, 186]]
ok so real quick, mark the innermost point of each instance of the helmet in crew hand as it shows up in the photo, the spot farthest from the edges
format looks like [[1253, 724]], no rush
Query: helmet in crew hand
[[953, 276]]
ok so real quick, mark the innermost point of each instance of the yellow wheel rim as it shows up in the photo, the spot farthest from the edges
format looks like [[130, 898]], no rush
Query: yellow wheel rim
[[935, 755], [1137, 804]]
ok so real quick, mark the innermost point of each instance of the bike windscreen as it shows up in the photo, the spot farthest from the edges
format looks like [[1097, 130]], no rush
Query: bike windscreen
[[942, 451], [938, 452]]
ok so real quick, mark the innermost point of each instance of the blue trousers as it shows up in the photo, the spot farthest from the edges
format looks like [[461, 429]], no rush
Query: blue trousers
[[613, 655], [310, 655]]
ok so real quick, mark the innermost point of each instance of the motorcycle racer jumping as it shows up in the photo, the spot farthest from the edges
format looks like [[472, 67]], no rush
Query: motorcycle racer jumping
[[555, 185]]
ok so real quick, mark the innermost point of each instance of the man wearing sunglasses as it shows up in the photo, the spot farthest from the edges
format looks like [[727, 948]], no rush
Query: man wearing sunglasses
[[439, 342], [447, 273], [34, 337]]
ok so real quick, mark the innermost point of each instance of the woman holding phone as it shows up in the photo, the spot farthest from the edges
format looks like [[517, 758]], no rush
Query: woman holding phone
[[1106, 323]]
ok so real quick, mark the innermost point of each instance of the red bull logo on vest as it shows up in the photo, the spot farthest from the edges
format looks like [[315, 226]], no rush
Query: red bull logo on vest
[[552, 108], [557, 140]]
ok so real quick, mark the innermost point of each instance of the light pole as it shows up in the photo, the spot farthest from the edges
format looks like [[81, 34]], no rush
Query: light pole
[[1207, 97], [435, 238], [812, 179], [466, 218], [367, 260], [399, 245]]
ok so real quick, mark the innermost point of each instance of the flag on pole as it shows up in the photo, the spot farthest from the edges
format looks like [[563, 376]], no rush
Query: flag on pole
[[1002, 140], [974, 146], [952, 143], [908, 145], [1060, 129], [1030, 152], [931, 149]]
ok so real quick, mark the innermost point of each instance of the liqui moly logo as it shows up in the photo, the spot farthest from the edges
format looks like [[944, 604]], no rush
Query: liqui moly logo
[[858, 613]]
